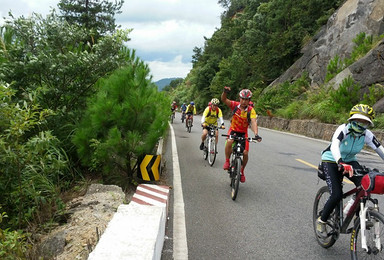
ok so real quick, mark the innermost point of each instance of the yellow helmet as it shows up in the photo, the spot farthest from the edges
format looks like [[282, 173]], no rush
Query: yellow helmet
[[362, 111]]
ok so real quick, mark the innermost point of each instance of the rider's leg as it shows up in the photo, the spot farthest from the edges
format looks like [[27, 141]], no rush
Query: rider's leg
[[334, 181], [228, 150], [217, 136], [203, 136], [245, 160]]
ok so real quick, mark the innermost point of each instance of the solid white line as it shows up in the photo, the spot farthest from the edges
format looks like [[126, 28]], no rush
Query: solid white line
[[180, 248]]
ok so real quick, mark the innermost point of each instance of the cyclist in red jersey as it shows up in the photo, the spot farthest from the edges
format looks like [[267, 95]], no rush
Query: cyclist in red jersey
[[242, 113]]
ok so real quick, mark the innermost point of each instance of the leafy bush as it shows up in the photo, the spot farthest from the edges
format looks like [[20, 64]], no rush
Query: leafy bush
[[31, 166]]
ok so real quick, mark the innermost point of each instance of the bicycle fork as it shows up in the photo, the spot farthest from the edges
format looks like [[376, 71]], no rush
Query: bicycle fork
[[363, 228]]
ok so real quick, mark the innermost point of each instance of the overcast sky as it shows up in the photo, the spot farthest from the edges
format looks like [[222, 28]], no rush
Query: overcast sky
[[164, 31]]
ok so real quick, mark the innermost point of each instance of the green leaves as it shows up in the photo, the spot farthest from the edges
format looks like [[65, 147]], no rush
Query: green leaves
[[32, 166]]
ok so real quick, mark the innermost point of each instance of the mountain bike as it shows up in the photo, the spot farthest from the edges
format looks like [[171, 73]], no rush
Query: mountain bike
[[368, 222], [236, 160], [182, 117], [189, 123], [210, 147]]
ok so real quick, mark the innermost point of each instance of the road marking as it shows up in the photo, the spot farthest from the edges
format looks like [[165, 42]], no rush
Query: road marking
[[180, 248], [307, 163], [313, 166]]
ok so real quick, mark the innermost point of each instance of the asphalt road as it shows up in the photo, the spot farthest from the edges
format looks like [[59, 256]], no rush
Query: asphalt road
[[272, 215]]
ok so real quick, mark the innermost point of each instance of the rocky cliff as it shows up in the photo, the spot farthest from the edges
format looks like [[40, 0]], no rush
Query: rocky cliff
[[335, 38]]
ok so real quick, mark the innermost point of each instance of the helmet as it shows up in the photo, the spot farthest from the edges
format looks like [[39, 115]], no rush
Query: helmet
[[192, 103], [174, 102], [245, 93], [215, 101], [362, 111]]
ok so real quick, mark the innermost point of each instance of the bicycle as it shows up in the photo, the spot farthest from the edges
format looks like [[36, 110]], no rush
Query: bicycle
[[236, 161], [189, 123], [172, 116], [182, 117], [369, 222], [210, 147]]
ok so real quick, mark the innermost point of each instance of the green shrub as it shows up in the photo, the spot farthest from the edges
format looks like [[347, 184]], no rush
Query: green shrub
[[31, 166]]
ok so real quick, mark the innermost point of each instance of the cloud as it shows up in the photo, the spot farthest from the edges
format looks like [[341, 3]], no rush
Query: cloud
[[164, 31], [171, 69]]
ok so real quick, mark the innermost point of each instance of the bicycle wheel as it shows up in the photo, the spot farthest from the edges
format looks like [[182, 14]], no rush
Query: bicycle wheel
[[172, 117], [189, 125], [374, 235], [211, 150], [235, 178], [322, 197], [205, 150]]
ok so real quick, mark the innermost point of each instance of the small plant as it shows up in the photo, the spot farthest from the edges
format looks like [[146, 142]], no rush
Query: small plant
[[13, 244]]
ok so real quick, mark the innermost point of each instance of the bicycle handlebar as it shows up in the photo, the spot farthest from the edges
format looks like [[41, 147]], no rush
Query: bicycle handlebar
[[358, 172], [241, 138]]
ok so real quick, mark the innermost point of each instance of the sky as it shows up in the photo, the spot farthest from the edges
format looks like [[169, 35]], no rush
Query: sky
[[164, 31]]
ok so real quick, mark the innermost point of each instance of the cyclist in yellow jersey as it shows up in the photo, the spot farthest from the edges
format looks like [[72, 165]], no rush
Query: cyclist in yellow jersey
[[190, 111], [210, 116]]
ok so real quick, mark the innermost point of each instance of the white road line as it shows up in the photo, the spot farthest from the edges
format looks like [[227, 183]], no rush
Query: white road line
[[180, 248]]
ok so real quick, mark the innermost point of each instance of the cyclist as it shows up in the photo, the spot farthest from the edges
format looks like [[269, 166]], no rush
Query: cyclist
[[347, 141], [183, 108], [190, 111], [242, 116], [210, 116], [173, 106]]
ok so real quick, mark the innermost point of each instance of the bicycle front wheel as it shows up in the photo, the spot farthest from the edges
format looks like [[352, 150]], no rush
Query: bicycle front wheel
[[235, 178], [374, 236], [322, 197], [189, 125], [211, 150]]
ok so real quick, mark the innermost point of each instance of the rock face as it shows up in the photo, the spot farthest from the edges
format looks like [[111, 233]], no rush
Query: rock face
[[90, 216], [352, 18]]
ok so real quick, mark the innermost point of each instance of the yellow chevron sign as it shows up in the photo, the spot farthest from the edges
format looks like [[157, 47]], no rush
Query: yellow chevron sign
[[150, 168]]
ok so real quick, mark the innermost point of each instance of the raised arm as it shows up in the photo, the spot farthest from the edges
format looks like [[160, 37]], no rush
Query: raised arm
[[224, 98]]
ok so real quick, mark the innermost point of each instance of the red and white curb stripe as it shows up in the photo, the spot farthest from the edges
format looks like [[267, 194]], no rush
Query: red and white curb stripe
[[151, 195]]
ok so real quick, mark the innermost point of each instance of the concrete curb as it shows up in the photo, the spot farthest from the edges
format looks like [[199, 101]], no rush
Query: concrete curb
[[137, 230]]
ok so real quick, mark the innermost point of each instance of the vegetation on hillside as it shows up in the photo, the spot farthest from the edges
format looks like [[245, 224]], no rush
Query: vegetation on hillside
[[257, 42], [75, 102]]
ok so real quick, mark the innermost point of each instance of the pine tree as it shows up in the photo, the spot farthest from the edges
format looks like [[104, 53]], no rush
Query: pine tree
[[96, 15]]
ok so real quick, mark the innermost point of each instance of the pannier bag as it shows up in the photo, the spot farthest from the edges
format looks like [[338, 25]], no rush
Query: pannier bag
[[373, 182]]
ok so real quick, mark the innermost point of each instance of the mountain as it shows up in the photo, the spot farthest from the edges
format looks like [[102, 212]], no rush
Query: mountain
[[163, 82]]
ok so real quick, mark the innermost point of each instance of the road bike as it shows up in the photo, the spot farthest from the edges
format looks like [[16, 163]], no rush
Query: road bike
[[189, 123], [368, 222], [210, 147], [236, 161]]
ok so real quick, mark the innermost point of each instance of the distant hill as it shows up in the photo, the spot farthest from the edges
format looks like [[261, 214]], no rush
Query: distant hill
[[163, 82]]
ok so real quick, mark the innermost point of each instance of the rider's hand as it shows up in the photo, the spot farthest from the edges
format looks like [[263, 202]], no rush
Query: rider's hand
[[258, 138], [346, 168], [227, 89], [222, 126], [203, 125]]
